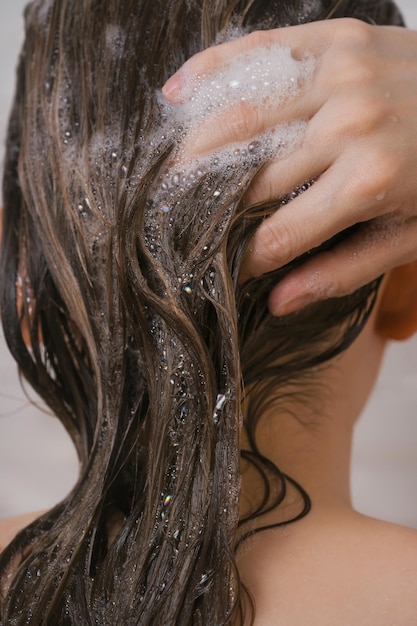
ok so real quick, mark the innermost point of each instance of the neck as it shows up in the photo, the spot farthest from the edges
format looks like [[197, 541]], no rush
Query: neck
[[309, 440], [314, 449], [308, 432]]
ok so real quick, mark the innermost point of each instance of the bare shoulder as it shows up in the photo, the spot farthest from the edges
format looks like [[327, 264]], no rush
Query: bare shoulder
[[349, 568], [397, 543], [11, 526]]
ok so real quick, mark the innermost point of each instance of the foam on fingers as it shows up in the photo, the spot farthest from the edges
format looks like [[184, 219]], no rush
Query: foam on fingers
[[263, 78]]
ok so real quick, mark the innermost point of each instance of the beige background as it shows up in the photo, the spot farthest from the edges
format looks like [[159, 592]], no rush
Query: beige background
[[38, 465]]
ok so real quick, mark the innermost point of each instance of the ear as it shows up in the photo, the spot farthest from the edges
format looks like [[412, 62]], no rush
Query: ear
[[397, 310]]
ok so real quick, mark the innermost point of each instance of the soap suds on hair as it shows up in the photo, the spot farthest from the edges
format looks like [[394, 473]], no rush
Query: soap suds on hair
[[264, 78]]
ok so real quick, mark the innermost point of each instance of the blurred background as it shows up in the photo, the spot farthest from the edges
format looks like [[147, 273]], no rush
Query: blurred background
[[38, 464]]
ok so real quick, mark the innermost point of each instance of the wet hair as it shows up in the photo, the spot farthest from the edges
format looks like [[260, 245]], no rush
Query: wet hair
[[138, 335]]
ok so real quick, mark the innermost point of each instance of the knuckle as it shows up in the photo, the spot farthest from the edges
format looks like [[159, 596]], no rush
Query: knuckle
[[354, 31], [364, 116], [351, 69], [351, 61], [277, 243], [358, 71], [385, 168], [360, 32], [244, 122], [379, 173]]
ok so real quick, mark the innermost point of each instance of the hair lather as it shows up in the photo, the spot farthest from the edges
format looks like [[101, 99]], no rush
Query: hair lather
[[139, 337]]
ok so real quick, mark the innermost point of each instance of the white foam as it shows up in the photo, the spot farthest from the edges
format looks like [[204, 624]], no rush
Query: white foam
[[265, 78], [310, 11], [115, 39]]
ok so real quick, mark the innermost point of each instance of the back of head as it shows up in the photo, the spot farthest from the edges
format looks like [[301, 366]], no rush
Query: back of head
[[138, 335]]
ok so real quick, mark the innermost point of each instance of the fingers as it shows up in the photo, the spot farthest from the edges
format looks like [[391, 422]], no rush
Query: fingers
[[313, 38], [359, 146], [242, 122], [336, 130], [246, 98], [369, 253], [364, 169], [331, 205], [316, 38], [245, 119], [319, 149]]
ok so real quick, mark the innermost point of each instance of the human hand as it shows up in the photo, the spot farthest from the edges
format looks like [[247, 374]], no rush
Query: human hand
[[360, 147]]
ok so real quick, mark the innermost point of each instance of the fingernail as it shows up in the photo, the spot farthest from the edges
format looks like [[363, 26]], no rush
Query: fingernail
[[284, 307], [173, 88]]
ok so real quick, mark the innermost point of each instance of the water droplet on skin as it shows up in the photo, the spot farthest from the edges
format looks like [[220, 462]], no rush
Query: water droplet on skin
[[253, 146], [380, 196]]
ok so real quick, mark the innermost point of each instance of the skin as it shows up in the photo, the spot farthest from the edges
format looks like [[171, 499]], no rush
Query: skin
[[11, 526], [361, 109], [346, 568], [334, 566]]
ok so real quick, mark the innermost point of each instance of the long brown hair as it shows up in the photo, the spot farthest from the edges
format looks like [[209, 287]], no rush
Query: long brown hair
[[140, 339]]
